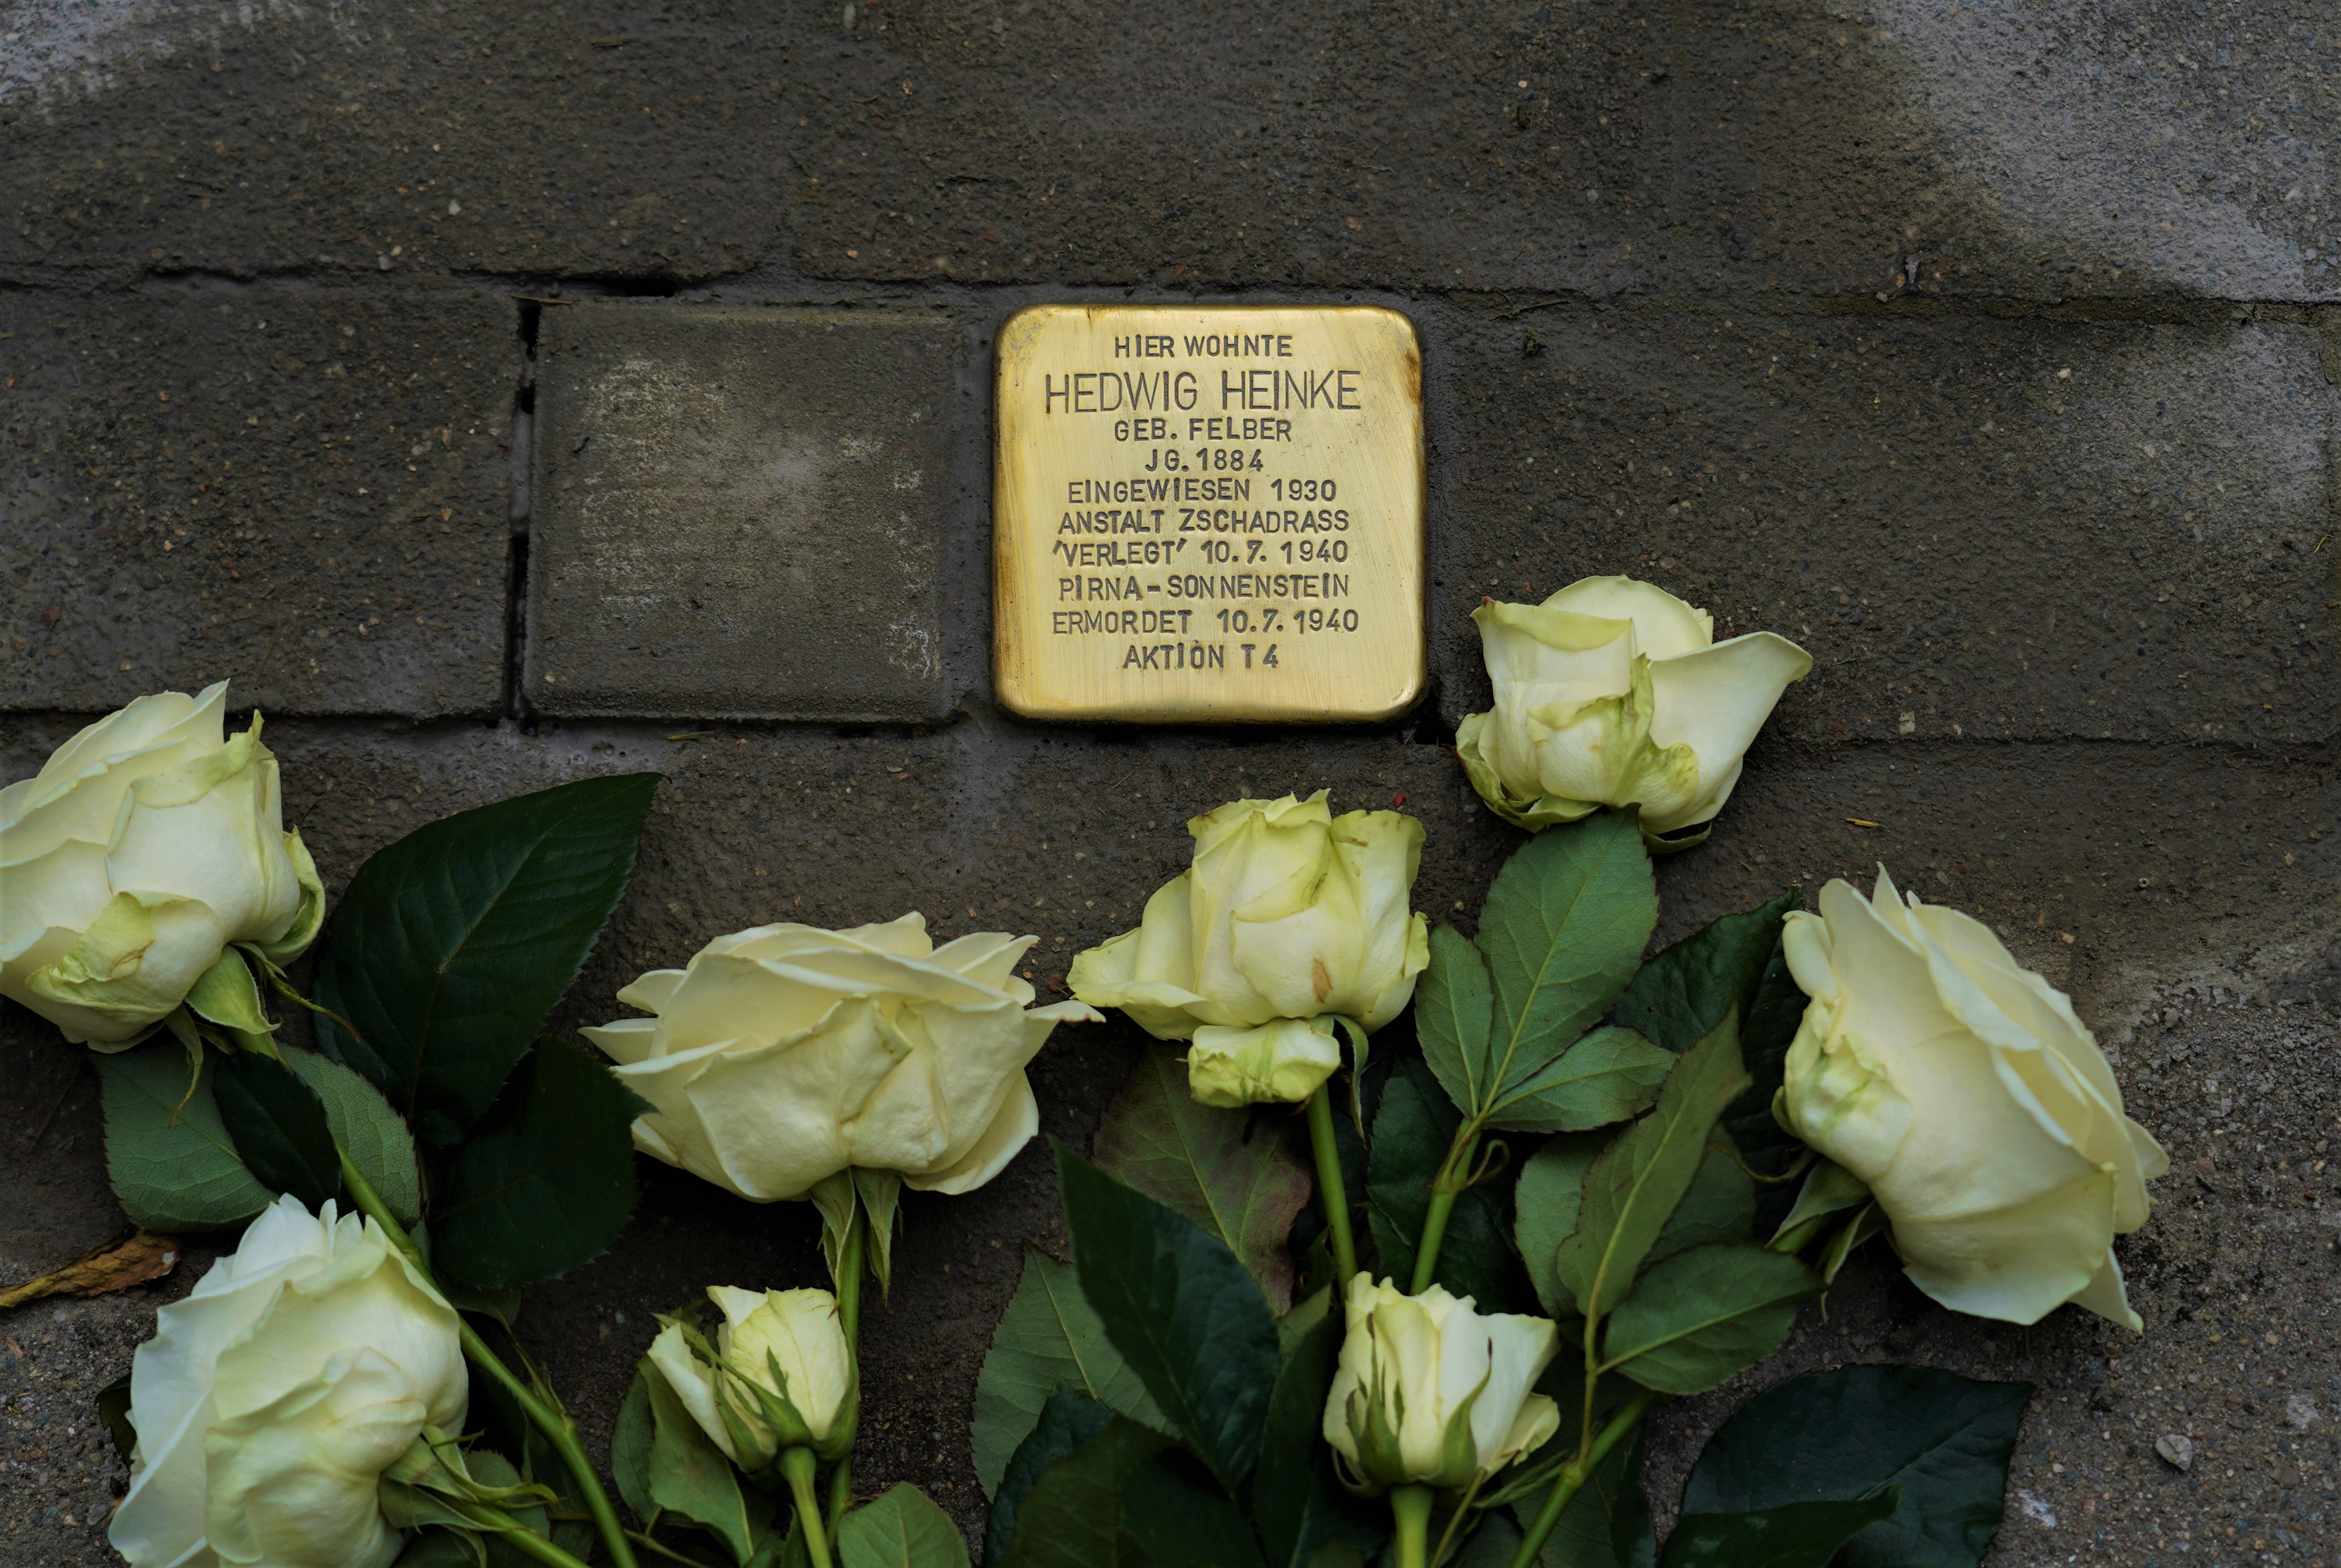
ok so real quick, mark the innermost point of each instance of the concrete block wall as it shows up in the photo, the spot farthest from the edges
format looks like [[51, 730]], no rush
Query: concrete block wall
[[1993, 354]]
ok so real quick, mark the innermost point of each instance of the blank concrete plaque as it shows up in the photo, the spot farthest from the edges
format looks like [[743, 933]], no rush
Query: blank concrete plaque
[[738, 513]]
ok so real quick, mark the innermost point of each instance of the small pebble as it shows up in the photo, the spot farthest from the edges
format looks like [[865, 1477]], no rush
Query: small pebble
[[2300, 1411], [2177, 1449]]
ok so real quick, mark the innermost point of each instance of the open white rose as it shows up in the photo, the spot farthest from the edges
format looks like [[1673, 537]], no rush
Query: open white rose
[[143, 846], [1429, 1390], [1614, 692], [785, 1378], [1288, 912], [272, 1398], [1963, 1089], [785, 1054]]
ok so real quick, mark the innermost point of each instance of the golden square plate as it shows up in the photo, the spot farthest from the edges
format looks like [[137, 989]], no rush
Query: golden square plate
[[1209, 513]]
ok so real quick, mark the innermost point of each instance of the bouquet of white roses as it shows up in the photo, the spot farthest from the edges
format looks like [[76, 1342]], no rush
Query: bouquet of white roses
[[1409, 1302]]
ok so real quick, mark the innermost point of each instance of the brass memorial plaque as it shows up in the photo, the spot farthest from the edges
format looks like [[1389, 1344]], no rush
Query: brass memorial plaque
[[1209, 513]]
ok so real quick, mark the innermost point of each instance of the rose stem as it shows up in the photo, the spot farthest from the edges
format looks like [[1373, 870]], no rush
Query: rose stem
[[1410, 1507], [557, 1426], [1574, 1474], [797, 1464], [849, 1315], [1329, 1188], [520, 1538], [1454, 1176], [1455, 1520]]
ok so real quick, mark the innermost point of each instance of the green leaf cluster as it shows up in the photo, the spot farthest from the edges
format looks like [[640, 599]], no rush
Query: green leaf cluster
[[176, 1166], [1222, 1466], [438, 967], [1503, 1020]]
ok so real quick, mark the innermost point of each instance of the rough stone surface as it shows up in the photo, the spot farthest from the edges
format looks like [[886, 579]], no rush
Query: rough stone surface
[[1599, 147], [2121, 748], [302, 491], [2040, 527], [283, 140], [740, 513]]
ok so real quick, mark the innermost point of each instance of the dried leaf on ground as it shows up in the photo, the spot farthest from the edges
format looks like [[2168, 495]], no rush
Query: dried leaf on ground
[[117, 1266]]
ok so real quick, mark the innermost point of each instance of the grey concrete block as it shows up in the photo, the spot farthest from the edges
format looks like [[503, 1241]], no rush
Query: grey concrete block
[[302, 491], [1600, 147], [2023, 527], [738, 513], [1604, 147], [409, 136]]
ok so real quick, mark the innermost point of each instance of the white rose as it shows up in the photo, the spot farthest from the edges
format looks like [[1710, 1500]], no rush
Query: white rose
[[1287, 912], [1429, 1390], [1613, 692], [783, 1375], [785, 1054], [140, 850], [272, 1398], [1963, 1089]]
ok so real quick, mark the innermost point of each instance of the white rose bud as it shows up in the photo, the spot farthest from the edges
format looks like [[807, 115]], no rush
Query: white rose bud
[[785, 1054], [1963, 1089], [1430, 1391], [1613, 692], [143, 847], [1288, 912], [273, 1397], [1284, 1060], [780, 1375]]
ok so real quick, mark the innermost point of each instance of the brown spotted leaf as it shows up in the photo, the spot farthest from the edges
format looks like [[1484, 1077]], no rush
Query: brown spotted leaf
[[1237, 1174]]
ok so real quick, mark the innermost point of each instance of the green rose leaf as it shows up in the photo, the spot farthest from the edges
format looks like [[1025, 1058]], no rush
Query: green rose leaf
[[1182, 1311], [1606, 1076], [1073, 1516], [900, 1528], [1942, 1439], [1720, 1206], [453, 945], [1563, 928], [1048, 1335], [1545, 1204], [279, 1125], [1636, 1183], [631, 1437], [1243, 1183], [1176, 1515], [1298, 1500], [1069, 1422], [170, 1158], [548, 1181], [437, 1548], [687, 1475], [1706, 1314], [363, 1125], [1685, 991], [1793, 1536], [1413, 1125], [1454, 1011], [114, 1415]]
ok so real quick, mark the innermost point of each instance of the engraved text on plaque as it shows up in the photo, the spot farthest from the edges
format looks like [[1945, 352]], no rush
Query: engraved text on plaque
[[1209, 513]]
